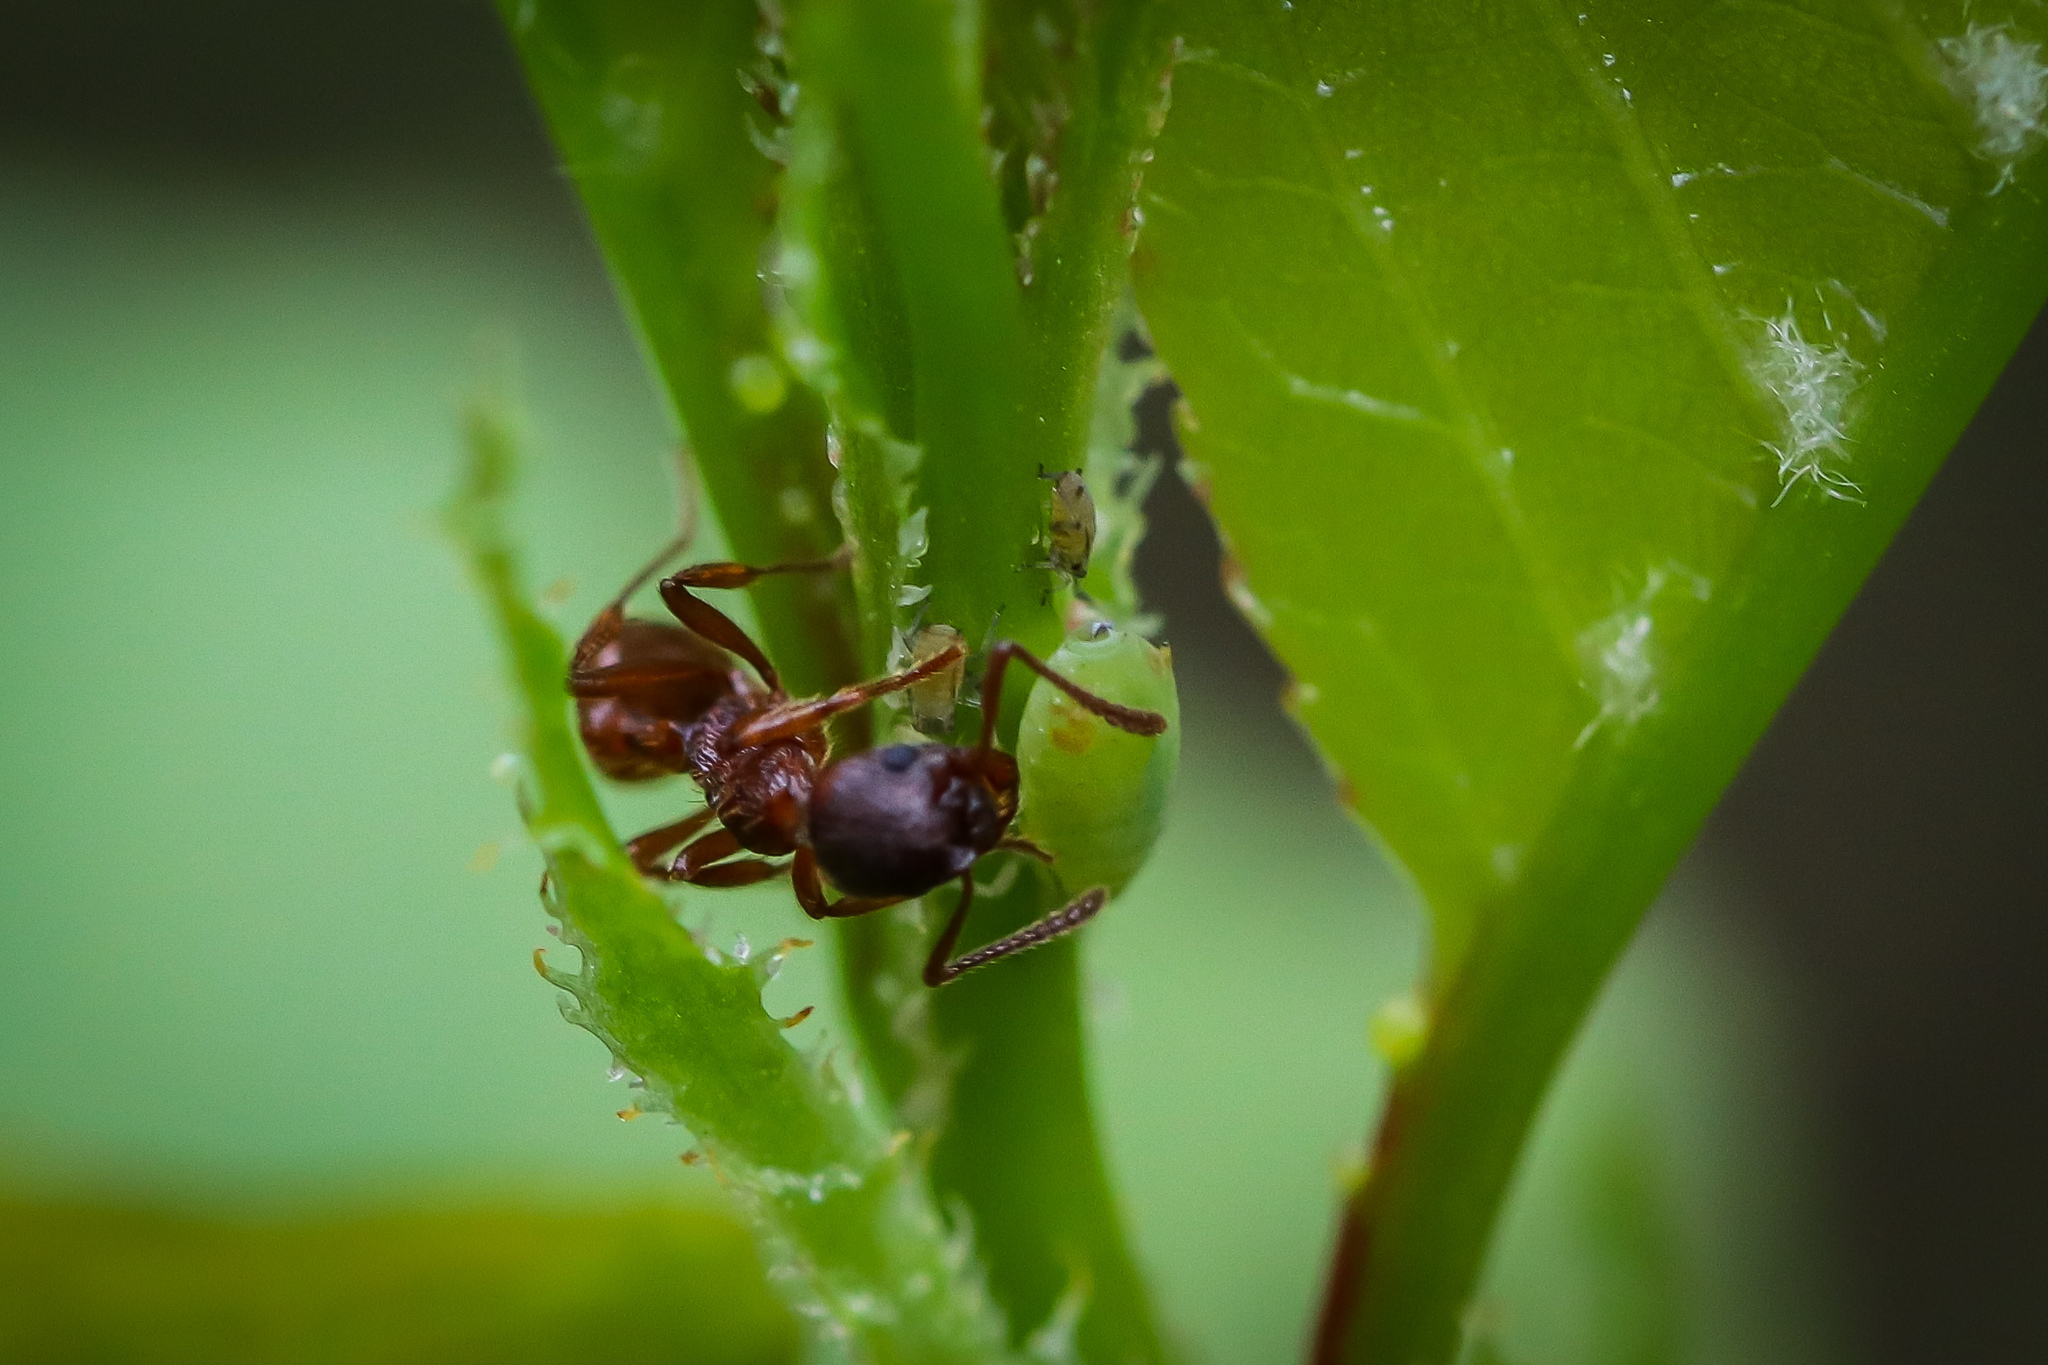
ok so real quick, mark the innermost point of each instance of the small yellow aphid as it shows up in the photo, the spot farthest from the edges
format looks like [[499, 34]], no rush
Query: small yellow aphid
[[1070, 526], [931, 701]]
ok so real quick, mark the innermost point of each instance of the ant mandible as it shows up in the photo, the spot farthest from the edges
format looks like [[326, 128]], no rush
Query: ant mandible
[[882, 826]]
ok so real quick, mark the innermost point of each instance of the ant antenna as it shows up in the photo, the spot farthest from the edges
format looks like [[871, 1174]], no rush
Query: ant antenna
[[1131, 719]]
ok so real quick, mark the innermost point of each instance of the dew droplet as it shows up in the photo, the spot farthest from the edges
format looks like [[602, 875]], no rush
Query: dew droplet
[[912, 539]]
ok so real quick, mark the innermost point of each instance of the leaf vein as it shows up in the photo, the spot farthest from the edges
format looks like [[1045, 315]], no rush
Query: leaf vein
[[1923, 60], [1471, 426], [1795, 15], [1735, 488], [1652, 184]]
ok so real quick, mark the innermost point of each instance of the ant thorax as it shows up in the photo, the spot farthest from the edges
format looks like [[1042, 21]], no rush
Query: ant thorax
[[761, 792]]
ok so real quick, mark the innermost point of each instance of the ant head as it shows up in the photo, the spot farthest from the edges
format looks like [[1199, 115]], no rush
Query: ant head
[[900, 820]]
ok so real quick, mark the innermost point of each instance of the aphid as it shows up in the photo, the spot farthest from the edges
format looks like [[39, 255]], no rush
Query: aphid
[[1093, 797], [932, 699], [1070, 526], [880, 826]]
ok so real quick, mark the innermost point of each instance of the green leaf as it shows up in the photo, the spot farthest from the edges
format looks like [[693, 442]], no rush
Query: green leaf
[[848, 1226], [1556, 373]]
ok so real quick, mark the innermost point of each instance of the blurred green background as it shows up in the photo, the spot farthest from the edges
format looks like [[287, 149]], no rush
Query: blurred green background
[[279, 919], [277, 1080]]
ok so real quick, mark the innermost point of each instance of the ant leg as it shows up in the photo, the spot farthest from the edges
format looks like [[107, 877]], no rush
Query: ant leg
[[810, 893], [1018, 844], [724, 573], [720, 629], [1129, 718], [942, 966], [646, 850], [794, 718], [585, 684], [695, 864], [942, 951], [739, 872], [605, 627], [652, 566], [718, 844], [713, 624], [585, 681]]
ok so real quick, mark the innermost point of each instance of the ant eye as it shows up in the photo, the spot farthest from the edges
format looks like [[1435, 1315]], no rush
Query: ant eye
[[897, 758]]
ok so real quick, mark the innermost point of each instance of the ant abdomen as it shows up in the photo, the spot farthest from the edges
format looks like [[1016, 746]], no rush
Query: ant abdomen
[[636, 733], [905, 818]]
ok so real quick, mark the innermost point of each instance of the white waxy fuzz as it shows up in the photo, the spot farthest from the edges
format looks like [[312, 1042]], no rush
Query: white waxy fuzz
[[2005, 85]]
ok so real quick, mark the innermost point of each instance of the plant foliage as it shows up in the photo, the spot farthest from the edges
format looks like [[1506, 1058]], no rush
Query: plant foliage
[[1554, 372], [1557, 373]]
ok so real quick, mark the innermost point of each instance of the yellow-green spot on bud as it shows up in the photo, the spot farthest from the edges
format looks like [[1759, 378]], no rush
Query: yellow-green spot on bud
[[757, 383], [1398, 1030], [1092, 795]]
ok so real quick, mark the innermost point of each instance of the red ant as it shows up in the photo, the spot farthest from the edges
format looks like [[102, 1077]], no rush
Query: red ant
[[882, 826]]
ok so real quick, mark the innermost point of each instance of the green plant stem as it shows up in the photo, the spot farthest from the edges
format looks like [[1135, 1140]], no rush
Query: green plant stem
[[849, 1231], [901, 84], [1003, 378], [645, 101], [1414, 1236], [1020, 1149], [1117, 97]]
